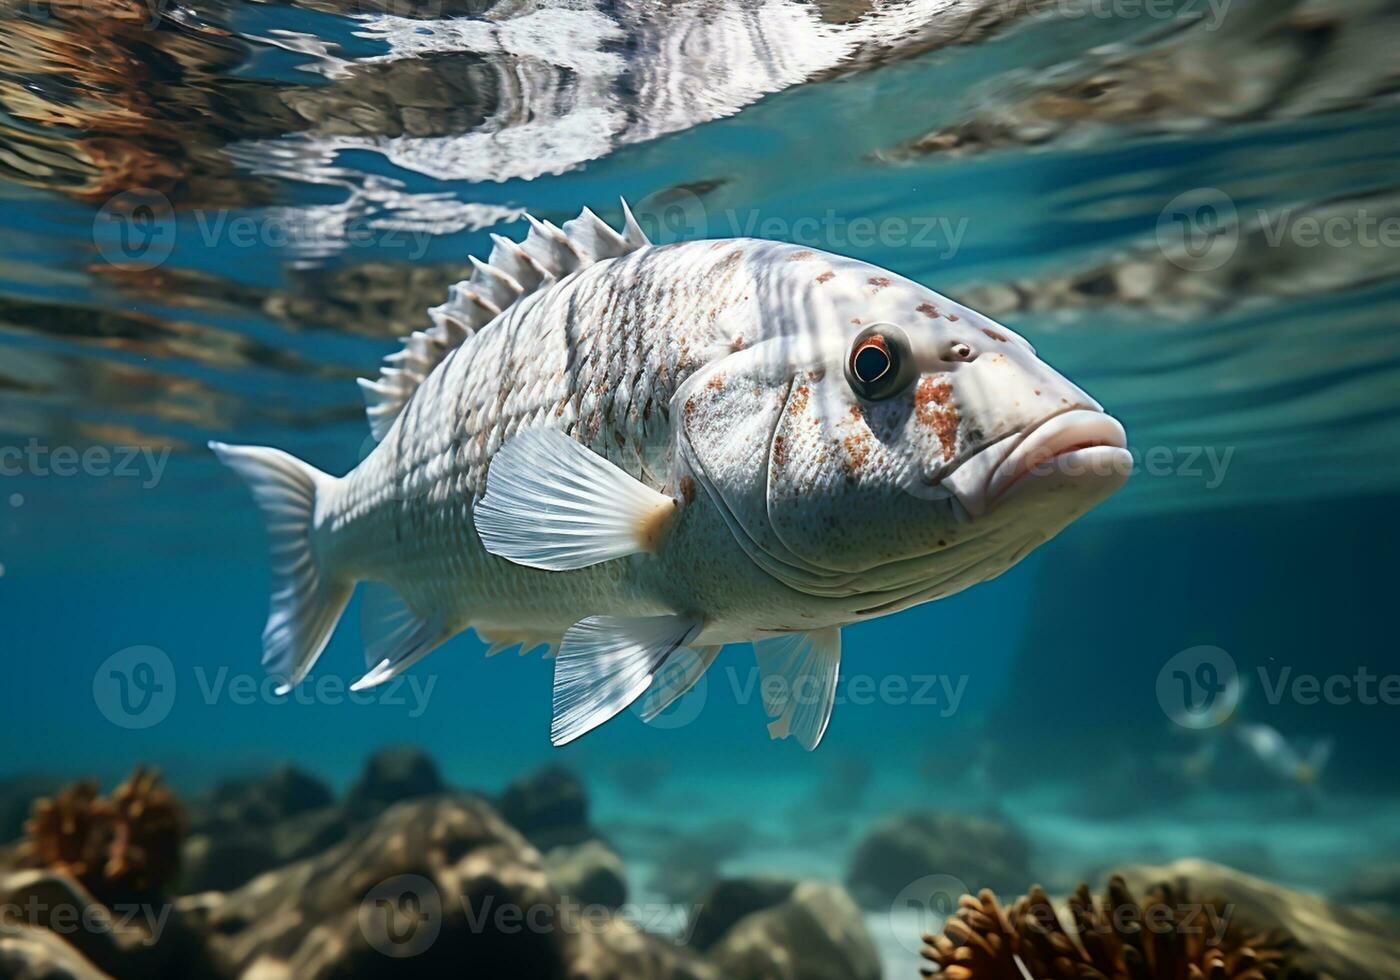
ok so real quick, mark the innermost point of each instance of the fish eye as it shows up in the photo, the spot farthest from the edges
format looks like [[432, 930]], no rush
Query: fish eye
[[881, 364]]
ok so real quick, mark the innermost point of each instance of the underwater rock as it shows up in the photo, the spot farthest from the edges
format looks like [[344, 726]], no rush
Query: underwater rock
[[815, 934], [550, 807], [74, 934], [218, 862], [1377, 889], [37, 954], [123, 848], [258, 802], [1338, 941], [730, 901], [394, 774], [590, 873], [905, 847], [429, 886], [399, 888], [223, 859], [248, 826]]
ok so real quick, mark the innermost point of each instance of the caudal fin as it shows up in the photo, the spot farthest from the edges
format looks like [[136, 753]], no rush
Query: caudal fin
[[306, 604]]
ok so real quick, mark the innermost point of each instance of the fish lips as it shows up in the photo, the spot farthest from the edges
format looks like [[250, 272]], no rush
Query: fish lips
[[1080, 448]]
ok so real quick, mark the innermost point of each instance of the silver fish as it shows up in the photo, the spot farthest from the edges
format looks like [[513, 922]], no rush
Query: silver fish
[[1283, 759], [638, 453]]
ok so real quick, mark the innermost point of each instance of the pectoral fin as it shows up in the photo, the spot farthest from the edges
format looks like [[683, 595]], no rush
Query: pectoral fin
[[799, 683], [553, 503], [605, 663]]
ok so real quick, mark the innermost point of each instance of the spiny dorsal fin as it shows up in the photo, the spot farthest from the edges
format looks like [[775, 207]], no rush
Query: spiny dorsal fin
[[515, 269]]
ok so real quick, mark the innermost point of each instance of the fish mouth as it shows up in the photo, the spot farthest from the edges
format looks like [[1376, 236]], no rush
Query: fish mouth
[[1080, 446]]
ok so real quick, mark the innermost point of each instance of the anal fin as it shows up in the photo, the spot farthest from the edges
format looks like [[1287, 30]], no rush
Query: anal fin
[[799, 683], [394, 636], [606, 662]]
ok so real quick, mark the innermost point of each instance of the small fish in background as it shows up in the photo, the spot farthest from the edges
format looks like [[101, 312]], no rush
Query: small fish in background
[[1285, 760], [636, 454]]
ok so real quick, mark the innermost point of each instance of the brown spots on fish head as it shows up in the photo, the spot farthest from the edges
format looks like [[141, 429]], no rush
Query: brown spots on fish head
[[826, 277], [687, 488], [953, 318], [857, 446], [801, 255], [689, 410], [716, 382], [1000, 338], [737, 344], [928, 310], [879, 282], [934, 409], [797, 404], [856, 413]]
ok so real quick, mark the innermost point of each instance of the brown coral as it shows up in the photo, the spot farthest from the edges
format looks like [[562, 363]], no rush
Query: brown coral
[[122, 848], [1166, 937]]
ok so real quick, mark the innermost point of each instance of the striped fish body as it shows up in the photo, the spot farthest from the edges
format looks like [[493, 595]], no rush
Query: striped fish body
[[599, 357]]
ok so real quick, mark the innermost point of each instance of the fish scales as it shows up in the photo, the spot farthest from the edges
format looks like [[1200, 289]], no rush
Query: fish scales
[[599, 357]]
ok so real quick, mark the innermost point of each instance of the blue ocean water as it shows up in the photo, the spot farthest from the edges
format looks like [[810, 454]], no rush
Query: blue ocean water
[[1197, 221]]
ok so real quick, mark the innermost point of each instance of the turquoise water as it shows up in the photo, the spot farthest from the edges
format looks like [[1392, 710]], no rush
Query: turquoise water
[[1197, 221]]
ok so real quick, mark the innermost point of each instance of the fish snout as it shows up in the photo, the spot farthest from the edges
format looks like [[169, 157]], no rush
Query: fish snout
[[1082, 450]]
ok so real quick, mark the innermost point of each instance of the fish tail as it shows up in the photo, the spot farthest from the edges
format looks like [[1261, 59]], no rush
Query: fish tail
[[306, 601]]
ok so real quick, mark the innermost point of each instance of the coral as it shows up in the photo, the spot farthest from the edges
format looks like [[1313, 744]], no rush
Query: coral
[[1166, 937], [122, 847]]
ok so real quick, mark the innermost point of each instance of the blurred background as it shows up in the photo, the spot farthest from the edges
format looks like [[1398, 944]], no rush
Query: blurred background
[[217, 215]]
